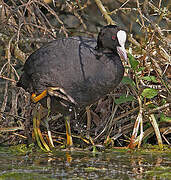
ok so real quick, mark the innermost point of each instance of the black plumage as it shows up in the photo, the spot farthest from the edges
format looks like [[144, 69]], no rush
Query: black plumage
[[85, 69]]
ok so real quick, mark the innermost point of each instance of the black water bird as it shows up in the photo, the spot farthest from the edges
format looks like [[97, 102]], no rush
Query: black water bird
[[76, 71]]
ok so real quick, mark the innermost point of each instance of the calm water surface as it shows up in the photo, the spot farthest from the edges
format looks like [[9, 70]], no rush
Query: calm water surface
[[84, 165]]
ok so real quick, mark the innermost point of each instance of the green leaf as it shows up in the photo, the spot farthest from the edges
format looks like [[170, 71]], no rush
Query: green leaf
[[133, 62], [124, 99], [140, 69], [149, 78], [149, 93], [164, 118], [151, 106], [128, 81]]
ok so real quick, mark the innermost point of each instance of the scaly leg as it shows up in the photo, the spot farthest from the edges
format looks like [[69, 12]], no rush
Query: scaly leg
[[68, 131]]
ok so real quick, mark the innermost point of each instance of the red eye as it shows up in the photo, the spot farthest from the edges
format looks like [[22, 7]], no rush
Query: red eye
[[113, 37]]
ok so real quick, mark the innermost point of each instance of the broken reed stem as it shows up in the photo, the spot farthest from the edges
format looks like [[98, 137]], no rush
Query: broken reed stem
[[5, 98], [159, 108], [88, 120], [104, 12], [10, 129], [6, 78], [156, 130], [138, 123]]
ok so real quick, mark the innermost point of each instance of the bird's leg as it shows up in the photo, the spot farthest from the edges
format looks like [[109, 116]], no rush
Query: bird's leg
[[58, 92], [35, 98], [36, 128], [53, 91], [68, 131]]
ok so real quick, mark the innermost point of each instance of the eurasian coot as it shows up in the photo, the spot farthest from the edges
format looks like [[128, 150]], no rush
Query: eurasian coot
[[75, 72]]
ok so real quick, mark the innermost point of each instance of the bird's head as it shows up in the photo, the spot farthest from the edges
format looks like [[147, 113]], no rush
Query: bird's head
[[113, 39]]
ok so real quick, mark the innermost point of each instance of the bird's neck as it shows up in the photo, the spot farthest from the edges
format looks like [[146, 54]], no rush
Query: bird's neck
[[104, 51]]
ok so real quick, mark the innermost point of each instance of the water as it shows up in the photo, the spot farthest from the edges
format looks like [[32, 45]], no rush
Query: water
[[84, 165]]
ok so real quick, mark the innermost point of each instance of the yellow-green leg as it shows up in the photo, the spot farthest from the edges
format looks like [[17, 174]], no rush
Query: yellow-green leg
[[68, 131], [37, 132], [58, 92], [35, 99]]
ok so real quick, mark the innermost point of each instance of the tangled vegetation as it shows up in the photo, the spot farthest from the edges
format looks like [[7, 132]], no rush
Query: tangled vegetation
[[137, 112]]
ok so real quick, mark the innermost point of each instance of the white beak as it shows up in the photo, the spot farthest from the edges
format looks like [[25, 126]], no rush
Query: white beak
[[121, 35]]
